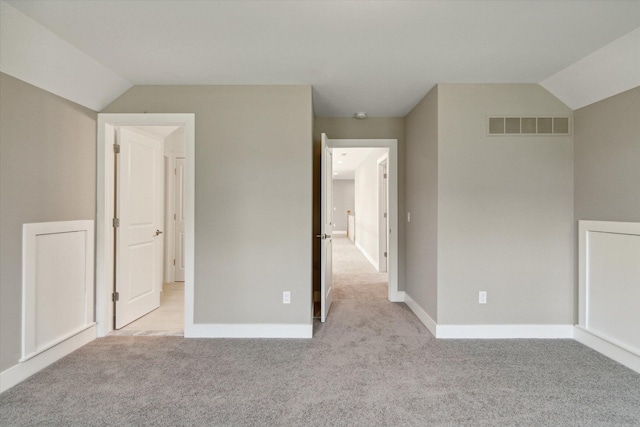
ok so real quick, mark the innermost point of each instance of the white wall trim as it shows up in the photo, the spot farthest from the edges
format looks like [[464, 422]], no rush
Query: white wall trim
[[612, 351], [219, 330], [421, 314], [32, 343], [601, 326], [392, 145], [504, 331], [398, 296], [339, 232], [24, 370], [586, 227], [368, 257], [104, 212], [487, 331]]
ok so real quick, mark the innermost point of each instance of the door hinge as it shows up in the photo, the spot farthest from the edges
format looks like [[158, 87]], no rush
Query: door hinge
[[116, 148], [385, 254], [174, 216], [174, 262], [385, 214], [385, 176], [115, 296], [116, 222]]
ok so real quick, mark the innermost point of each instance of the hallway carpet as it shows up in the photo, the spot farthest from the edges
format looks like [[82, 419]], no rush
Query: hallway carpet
[[371, 364]]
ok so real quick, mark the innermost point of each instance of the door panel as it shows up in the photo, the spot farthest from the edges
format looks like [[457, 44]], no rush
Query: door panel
[[383, 218], [139, 240], [179, 210], [326, 282]]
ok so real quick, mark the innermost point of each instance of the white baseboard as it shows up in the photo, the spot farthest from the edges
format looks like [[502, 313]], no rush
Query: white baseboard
[[421, 314], [339, 232], [24, 370], [504, 331], [487, 331], [220, 330], [397, 296], [368, 257], [612, 351]]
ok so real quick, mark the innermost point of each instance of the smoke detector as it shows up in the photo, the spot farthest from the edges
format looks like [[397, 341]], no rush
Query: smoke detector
[[361, 115]]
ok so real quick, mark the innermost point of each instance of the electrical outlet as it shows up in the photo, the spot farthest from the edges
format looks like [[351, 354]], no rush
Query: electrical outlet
[[482, 297], [286, 297]]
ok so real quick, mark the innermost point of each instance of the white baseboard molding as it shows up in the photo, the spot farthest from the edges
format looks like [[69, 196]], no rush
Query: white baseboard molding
[[24, 370], [612, 351], [220, 330], [339, 232], [504, 331], [397, 296], [487, 331], [368, 257], [421, 314]]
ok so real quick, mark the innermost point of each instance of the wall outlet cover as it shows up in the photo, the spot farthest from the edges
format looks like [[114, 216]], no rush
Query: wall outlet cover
[[482, 297]]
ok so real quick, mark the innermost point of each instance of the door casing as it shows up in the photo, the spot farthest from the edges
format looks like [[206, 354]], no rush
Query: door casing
[[178, 209], [392, 166], [105, 209]]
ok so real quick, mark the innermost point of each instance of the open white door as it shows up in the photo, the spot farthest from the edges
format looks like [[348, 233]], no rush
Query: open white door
[[139, 239], [326, 218], [179, 220], [383, 213]]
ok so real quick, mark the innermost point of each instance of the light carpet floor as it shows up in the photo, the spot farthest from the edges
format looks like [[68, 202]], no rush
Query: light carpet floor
[[371, 364]]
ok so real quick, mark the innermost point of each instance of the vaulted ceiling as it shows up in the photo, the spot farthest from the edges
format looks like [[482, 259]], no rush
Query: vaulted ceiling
[[381, 57]]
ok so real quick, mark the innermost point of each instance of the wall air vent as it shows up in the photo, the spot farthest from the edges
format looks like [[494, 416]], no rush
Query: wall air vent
[[528, 126]]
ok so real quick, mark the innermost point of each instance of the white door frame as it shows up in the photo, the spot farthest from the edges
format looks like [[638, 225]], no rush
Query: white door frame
[[392, 171], [175, 208], [104, 210]]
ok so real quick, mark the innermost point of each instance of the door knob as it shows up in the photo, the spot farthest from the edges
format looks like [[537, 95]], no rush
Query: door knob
[[158, 232]]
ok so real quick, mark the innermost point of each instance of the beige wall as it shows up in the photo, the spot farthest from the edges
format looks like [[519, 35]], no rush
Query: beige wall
[[505, 210], [47, 173], [421, 174], [607, 159], [343, 201], [350, 128], [253, 196]]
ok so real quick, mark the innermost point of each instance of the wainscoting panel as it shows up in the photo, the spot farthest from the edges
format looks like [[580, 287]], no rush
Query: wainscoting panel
[[609, 294], [58, 283]]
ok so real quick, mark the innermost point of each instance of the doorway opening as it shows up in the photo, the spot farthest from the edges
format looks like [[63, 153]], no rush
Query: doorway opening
[[149, 193], [145, 222], [362, 216]]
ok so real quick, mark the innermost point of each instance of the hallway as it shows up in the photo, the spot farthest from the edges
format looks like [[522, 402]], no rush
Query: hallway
[[361, 309]]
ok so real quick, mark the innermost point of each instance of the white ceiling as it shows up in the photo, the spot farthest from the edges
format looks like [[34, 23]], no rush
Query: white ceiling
[[375, 56], [347, 160]]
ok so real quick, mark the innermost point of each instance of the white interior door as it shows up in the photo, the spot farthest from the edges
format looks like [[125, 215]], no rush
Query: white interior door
[[139, 239], [179, 220], [326, 282], [383, 212]]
